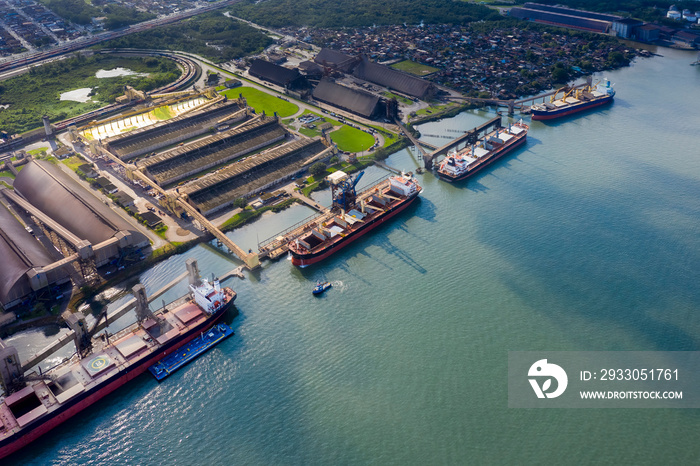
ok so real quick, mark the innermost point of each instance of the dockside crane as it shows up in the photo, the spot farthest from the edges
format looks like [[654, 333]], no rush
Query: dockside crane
[[344, 194]]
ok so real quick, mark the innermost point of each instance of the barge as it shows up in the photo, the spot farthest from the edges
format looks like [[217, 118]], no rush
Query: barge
[[191, 351]]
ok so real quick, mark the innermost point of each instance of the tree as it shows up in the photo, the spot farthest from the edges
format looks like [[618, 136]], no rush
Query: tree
[[318, 169], [240, 203], [560, 73]]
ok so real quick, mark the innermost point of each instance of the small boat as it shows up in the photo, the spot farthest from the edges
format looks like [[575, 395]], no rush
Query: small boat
[[321, 287]]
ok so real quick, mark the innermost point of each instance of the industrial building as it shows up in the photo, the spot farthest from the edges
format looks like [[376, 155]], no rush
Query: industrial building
[[276, 74], [254, 174], [329, 58], [151, 138], [394, 79], [185, 161], [353, 100], [23, 262], [363, 68], [565, 17], [86, 231]]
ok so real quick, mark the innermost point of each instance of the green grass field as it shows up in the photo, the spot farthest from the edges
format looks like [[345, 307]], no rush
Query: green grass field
[[262, 101], [412, 67], [7, 174], [311, 133], [38, 151], [73, 162], [352, 139], [403, 100]]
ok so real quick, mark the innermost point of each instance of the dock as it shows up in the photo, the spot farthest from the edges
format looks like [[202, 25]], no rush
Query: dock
[[387, 167], [113, 316], [513, 104], [470, 137]]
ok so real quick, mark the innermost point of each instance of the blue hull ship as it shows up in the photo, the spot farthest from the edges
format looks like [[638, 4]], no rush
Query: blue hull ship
[[190, 351]]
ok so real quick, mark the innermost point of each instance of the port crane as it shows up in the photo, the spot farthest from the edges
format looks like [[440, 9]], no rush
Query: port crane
[[344, 194]]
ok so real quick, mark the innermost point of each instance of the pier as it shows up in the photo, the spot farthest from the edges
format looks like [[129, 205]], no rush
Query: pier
[[513, 104], [470, 137], [113, 316]]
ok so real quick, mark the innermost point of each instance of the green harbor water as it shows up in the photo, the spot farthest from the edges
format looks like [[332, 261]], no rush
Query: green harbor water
[[588, 238]]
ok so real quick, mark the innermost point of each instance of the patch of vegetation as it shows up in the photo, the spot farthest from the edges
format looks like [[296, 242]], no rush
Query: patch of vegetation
[[414, 68], [37, 92], [311, 133], [351, 139], [73, 162], [7, 174], [39, 152], [358, 13], [401, 99], [239, 219], [160, 230], [262, 101], [318, 170], [211, 35], [82, 12]]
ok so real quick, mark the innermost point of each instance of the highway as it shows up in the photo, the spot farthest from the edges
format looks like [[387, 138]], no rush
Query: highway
[[40, 57]]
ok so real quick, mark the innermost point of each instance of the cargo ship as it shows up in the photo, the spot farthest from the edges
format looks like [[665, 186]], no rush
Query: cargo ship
[[460, 165], [351, 215], [573, 101], [36, 403]]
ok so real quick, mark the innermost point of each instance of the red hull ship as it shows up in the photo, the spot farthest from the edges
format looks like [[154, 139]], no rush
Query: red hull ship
[[460, 165], [573, 101], [40, 402], [351, 216]]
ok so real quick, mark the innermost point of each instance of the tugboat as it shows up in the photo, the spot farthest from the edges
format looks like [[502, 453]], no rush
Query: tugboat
[[321, 287]]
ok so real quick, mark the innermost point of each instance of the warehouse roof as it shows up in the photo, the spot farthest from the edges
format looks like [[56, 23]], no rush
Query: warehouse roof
[[335, 59], [60, 197], [161, 133], [274, 73], [213, 150], [241, 178], [20, 252], [354, 100], [391, 78]]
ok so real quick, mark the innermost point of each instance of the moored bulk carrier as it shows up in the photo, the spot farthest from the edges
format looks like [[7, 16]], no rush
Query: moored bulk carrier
[[573, 101], [352, 215], [462, 164], [36, 403]]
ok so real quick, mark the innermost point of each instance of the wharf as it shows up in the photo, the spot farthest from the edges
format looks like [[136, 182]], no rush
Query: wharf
[[114, 315], [275, 247]]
